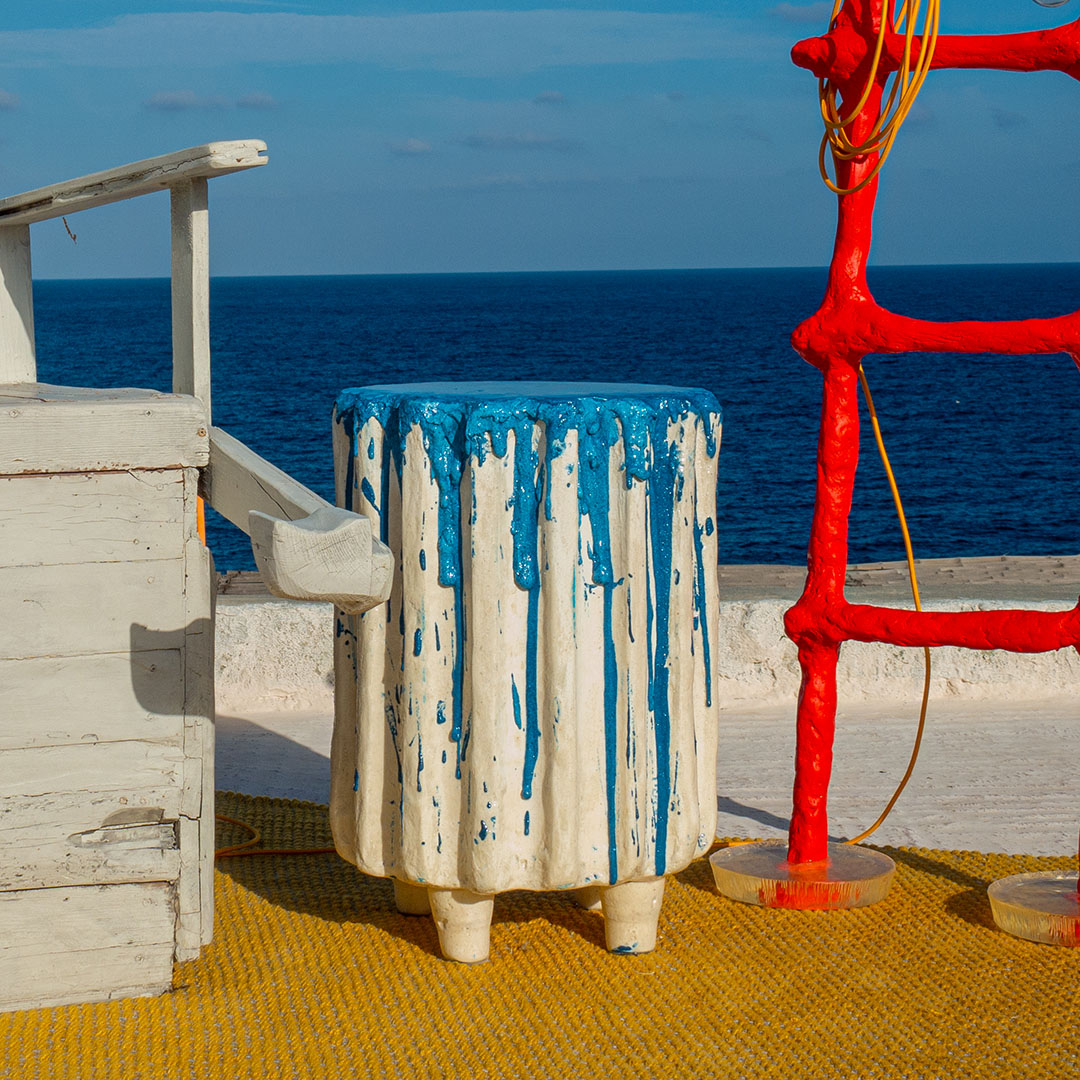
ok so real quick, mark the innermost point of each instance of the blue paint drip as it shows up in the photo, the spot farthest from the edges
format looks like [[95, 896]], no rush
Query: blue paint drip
[[369, 493], [440, 714], [532, 719], [661, 512], [423, 559], [526, 822], [371, 449], [611, 733], [459, 421], [517, 702], [701, 606], [356, 780], [418, 642]]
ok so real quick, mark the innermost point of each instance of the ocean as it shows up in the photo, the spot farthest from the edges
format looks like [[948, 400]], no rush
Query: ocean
[[983, 447]]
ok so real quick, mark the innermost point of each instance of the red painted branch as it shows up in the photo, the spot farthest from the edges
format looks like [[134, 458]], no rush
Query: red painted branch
[[1016, 631], [838, 54], [852, 327], [808, 833]]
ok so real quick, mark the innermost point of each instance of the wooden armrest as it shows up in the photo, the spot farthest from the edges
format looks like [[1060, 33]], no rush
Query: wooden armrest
[[305, 548], [127, 181]]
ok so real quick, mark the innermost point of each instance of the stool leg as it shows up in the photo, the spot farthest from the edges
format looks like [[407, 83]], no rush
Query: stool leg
[[631, 910], [463, 919], [411, 899], [588, 897]]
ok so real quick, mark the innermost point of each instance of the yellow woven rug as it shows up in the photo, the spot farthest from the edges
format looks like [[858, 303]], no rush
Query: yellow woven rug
[[313, 974]]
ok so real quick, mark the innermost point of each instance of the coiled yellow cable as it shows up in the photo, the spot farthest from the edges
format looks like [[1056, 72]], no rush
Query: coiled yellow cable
[[907, 82]]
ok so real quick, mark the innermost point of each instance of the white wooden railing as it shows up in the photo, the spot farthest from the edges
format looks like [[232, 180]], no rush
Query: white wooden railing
[[329, 554]]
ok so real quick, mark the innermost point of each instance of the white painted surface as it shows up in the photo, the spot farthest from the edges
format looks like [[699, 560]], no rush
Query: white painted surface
[[477, 813], [88, 517], [329, 555], [190, 283], [17, 358], [127, 181], [93, 943], [68, 610], [57, 429], [239, 481], [43, 699], [993, 775], [276, 654]]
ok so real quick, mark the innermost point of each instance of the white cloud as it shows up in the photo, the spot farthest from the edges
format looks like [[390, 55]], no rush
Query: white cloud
[[549, 97], [410, 148], [467, 42], [524, 140], [256, 100], [182, 100]]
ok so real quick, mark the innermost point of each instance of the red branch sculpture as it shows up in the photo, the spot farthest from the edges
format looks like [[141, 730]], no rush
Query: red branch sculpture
[[848, 326]]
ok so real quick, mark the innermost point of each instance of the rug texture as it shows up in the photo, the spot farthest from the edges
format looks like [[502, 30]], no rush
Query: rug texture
[[313, 974]]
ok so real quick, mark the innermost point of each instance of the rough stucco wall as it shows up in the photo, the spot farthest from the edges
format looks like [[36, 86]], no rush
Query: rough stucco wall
[[278, 654]]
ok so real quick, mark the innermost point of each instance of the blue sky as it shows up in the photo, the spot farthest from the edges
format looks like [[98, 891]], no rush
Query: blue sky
[[422, 136]]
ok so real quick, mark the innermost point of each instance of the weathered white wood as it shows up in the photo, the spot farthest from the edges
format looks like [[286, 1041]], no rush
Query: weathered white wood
[[238, 481], [145, 774], [76, 611], [47, 429], [61, 946], [329, 555], [188, 892], [60, 700], [191, 290], [91, 517], [17, 363], [126, 181], [52, 844], [196, 882]]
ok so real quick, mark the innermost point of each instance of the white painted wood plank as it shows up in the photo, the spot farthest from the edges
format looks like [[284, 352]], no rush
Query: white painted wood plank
[[238, 481], [17, 363], [196, 925], [65, 700], [191, 290], [55, 518], [126, 181], [53, 611], [144, 774], [87, 814], [46, 428], [58, 851], [62, 946]]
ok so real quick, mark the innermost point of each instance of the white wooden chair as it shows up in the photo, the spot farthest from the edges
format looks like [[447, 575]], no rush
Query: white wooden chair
[[106, 618]]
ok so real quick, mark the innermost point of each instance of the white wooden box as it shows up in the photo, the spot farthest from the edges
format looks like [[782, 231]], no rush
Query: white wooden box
[[106, 693]]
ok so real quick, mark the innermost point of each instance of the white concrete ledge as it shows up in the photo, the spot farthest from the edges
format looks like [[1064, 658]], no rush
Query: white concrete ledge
[[278, 655]]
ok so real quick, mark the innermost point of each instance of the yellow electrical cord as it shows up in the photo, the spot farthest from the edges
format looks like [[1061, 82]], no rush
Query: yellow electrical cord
[[918, 607], [248, 846], [907, 82]]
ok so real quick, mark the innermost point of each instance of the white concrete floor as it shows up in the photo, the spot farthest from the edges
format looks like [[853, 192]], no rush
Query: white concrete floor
[[990, 777]]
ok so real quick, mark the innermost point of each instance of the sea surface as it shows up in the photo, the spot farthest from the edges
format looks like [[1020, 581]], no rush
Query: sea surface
[[984, 447]]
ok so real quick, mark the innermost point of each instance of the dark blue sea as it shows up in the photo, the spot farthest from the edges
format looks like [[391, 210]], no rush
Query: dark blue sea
[[984, 447]]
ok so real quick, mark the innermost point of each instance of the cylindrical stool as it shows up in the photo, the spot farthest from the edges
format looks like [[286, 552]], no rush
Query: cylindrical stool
[[535, 707]]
